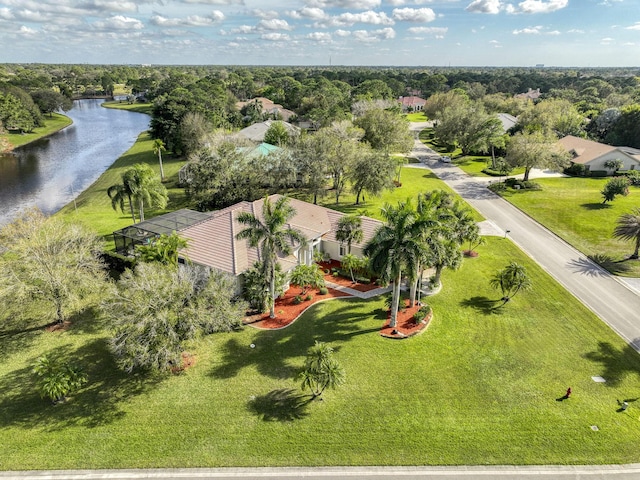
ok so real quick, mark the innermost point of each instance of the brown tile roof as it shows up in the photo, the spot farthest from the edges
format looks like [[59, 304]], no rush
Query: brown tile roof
[[213, 242], [584, 150], [411, 101]]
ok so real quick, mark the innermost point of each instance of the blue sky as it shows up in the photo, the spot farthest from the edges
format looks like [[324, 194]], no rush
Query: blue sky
[[316, 32]]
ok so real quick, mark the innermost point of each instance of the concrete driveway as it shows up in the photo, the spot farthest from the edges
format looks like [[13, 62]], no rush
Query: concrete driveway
[[607, 296]]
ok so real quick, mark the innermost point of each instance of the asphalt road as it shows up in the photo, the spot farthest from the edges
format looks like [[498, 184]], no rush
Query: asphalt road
[[617, 472], [607, 297]]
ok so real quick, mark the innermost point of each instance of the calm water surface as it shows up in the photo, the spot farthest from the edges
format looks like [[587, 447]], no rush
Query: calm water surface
[[51, 172]]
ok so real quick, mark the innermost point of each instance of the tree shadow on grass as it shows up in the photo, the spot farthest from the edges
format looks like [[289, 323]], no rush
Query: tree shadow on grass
[[273, 349], [97, 403], [616, 363], [595, 206], [282, 405], [483, 305]]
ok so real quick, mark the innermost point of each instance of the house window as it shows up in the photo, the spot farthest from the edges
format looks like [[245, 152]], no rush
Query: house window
[[343, 250]]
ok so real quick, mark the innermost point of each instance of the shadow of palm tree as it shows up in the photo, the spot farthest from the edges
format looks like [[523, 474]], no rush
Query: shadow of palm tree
[[97, 403], [483, 304], [616, 363], [586, 266], [282, 405], [595, 206], [608, 263]]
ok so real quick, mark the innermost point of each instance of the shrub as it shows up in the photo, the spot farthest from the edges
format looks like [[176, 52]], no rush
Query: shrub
[[492, 173], [323, 291], [615, 186], [308, 298], [633, 176], [297, 300], [117, 263], [57, 379], [336, 273], [599, 173], [497, 187], [576, 170]]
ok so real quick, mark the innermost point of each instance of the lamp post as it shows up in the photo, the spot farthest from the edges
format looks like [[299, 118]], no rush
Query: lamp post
[[506, 232]]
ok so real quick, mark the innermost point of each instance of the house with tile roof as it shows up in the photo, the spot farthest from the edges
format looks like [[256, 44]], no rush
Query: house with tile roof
[[212, 241], [412, 103], [275, 110], [593, 155], [257, 131]]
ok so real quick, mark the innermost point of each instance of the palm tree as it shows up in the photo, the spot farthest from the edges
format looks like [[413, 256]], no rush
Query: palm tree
[[145, 187], [158, 148], [510, 280], [321, 370], [628, 228], [351, 263], [396, 246], [119, 193], [349, 230], [273, 235]]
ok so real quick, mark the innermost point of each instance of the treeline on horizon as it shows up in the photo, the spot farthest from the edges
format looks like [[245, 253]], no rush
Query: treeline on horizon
[[319, 94]]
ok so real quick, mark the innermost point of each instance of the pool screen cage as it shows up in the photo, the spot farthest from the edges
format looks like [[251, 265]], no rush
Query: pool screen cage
[[143, 233]]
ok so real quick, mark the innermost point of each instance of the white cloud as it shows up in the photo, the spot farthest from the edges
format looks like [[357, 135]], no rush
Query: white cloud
[[112, 5], [319, 36], [374, 35], [216, 2], [119, 22], [635, 26], [575, 30], [266, 14], [274, 24], [31, 16], [428, 30], [6, 14], [357, 4], [485, 6], [348, 19], [606, 41], [529, 31], [423, 15], [27, 32], [540, 6], [276, 37], [190, 21], [313, 13], [342, 33], [397, 3]]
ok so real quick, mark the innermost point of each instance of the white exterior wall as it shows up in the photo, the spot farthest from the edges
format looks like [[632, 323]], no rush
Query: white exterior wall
[[333, 249], [629, 163]]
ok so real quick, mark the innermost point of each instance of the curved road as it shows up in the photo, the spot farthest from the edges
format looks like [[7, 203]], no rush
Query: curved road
[[606, 296]]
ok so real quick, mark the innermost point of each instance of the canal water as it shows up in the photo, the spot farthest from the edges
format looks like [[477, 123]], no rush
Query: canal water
[[49, 173]]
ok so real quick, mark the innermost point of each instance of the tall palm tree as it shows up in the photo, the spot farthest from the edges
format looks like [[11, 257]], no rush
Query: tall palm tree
[[273, 235], [158, 148], [146, 188], [510, 280], [349, 230], [628, 228], [396, 247]]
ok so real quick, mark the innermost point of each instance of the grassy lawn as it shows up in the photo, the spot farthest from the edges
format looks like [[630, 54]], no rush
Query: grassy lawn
[[416, 117], [572, 208], [479, 386], [133, 107], [94, 205], [53, 123], [413, 180], [474, 164]]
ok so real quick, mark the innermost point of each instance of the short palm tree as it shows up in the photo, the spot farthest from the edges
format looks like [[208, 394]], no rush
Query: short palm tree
[[628, 228], [510, 280], [349, 230], [321, 370], [158, 148], [120, 192], [273, 235], [140, 186]]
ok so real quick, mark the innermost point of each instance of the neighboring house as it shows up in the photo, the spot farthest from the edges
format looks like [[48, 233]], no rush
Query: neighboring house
[[212, 241], [530, 94], [412, 103], [256, 132], [508, 121], [593, 155], [269, 107]]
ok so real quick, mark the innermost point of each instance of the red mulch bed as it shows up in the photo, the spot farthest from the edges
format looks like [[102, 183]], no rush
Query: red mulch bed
[[287, 311], [405, 326], [58, 327], [342, 281]]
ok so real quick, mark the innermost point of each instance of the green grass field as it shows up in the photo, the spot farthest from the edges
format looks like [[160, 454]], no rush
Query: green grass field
[[479, 386], [53, 123], [133, 107], [416, 117], [572, 208]]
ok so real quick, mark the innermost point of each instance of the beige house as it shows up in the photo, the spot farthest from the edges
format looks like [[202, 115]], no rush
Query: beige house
[[212, 242], [593, 155], [269, 107]]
